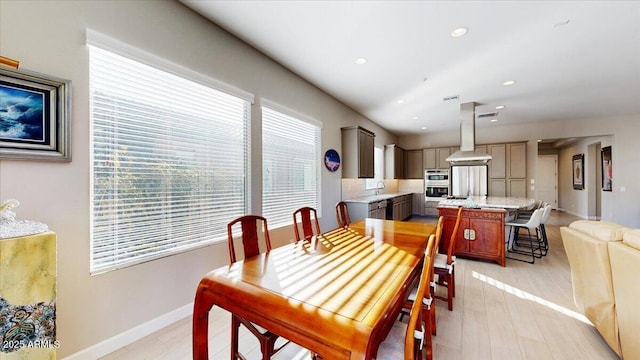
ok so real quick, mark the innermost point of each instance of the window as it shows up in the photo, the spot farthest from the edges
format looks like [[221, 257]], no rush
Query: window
[[169, 161], [291, 166], [378, 170]]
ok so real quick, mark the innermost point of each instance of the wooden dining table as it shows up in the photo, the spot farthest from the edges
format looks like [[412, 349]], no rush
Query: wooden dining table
[[336, 295]]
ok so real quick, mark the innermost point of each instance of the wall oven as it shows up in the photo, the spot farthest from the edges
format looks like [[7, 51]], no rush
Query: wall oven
[[436, 184]]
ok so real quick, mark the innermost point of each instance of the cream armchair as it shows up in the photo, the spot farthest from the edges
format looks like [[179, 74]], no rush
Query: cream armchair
[[625, 267], [587, 246]]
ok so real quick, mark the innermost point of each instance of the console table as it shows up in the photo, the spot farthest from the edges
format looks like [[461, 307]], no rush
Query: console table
[[27, 297]]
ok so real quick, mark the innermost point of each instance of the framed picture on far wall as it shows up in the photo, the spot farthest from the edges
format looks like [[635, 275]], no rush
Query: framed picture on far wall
[[607, 169], [34, 116], [578, 171]]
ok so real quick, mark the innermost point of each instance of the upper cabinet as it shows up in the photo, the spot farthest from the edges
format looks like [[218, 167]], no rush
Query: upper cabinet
[[508, 169], [436, 158], [394, 162], [497, 165], [357, 152], [517, 160], [429, 158], [414, 164]]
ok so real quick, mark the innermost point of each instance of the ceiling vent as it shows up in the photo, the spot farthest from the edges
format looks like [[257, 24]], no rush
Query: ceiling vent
[[487, 115], [449, 98]]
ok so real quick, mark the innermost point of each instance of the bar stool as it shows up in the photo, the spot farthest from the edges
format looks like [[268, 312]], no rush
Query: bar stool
[[543, 232], [531, 224]]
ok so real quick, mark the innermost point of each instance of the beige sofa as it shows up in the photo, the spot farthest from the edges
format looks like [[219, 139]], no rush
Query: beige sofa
[[605, 259]]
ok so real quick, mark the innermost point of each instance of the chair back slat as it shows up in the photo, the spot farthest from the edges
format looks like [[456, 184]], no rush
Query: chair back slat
[[251, 227], [454, 237], [413, 348], [342, 214], [309, 221]]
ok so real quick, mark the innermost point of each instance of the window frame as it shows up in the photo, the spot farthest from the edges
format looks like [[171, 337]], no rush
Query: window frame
[[317, 162], [118, 48]]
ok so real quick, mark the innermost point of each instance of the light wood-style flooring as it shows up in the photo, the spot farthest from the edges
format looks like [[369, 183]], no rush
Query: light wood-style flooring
[[522, 311]]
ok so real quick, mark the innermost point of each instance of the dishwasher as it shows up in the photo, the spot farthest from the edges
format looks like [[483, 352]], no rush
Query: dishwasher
[[390, 209]]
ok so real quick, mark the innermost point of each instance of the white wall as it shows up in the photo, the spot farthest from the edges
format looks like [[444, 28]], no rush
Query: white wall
[[49, 37], [619, 206]]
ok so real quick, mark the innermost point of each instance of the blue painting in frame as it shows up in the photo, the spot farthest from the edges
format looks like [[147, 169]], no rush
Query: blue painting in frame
[[34, 116], [331, 160]]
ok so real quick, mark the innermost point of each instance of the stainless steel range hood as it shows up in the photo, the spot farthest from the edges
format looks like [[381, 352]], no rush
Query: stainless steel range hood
[[468, 153]]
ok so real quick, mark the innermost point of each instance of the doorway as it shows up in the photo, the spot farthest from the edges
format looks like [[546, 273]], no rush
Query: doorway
[[547, 179]]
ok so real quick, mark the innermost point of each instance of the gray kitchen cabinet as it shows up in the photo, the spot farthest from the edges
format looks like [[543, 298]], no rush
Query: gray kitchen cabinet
[[436, 158], [357, 152], [497, 165], [517, 161], [508, 169], [414, 167], [394, 162], [497, 187], [431, 208], [429, 158], [441, 158], [517, 187], [361, 210], [418, 204], [401, 207]]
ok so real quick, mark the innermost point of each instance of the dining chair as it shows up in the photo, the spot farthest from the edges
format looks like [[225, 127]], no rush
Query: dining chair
[[417, 333], [309, 222], [531, 224], [444, 265], [428, 307], [250, 229], [342, 214]]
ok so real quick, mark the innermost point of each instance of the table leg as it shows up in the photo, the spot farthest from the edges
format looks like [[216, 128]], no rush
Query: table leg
[[201, 308]]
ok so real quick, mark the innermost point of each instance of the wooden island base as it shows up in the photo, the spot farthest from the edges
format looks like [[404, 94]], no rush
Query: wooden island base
[[480, 236]]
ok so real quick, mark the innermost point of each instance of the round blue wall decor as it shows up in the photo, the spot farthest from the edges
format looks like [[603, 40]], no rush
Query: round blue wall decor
[[332, 160]]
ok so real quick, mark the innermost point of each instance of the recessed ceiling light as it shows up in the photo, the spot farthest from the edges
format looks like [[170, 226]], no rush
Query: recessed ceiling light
[[539, 140], [494, 120], [499, 107], [509, 82], [360, 61], [415, 118], [424, 128], [459, 32], [400, 101]]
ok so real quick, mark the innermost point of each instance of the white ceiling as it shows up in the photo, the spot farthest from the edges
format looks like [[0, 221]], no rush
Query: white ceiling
[[571, 59]]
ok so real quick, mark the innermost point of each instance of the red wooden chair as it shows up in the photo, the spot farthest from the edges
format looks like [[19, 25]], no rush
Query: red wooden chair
[[252, 229], [309, 221], [342, 214], [444, 265]]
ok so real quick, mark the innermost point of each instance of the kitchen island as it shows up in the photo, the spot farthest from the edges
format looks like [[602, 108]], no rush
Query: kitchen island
[[392, 206], [481, 234]]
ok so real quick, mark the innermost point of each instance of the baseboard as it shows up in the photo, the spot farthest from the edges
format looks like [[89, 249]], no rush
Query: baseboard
[[132, 335], [572, 213]]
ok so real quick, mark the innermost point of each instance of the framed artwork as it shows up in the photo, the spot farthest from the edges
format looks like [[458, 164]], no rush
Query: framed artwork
[[331, 160], [578, 171], [607, 169], [34, 116]]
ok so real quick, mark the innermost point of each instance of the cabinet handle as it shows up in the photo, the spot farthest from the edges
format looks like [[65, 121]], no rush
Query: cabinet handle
[[469, 234]]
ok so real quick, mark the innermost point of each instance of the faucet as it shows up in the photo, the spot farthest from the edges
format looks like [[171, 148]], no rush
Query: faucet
[[379, 186]]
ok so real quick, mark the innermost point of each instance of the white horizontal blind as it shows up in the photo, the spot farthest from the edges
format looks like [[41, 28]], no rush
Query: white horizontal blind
[[291, 170], [169, 162]]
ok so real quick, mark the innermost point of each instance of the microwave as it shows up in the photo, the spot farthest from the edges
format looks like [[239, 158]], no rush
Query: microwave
[[440, 176]]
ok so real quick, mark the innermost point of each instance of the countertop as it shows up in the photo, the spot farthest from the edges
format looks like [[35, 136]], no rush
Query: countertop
[[495, 202], [374, 198]]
